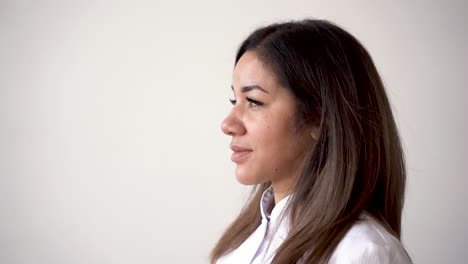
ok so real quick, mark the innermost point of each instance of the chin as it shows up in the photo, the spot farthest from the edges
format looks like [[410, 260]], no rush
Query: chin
[[248, 178], [245, 181]]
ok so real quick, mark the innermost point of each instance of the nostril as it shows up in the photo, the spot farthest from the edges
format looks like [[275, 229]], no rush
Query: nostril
[[225, 128], [232, 125]]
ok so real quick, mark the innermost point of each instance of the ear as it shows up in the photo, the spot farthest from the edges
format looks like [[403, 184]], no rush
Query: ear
[[315, 133]]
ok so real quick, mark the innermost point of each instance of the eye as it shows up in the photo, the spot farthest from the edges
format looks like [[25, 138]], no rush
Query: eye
[[233, 101], [253, 102]]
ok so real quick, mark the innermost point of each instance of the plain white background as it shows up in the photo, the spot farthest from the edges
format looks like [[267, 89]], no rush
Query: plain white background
[[110, 141]]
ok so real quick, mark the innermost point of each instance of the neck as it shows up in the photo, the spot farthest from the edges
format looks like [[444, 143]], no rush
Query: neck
[[280, 191]]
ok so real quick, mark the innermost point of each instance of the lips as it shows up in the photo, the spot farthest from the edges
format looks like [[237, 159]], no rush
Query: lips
[[240, 153]]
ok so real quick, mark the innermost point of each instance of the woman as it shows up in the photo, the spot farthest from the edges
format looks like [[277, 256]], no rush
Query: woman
[[312, 128]]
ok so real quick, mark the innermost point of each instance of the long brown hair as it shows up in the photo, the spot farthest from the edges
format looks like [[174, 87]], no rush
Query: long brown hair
[[357, 162]]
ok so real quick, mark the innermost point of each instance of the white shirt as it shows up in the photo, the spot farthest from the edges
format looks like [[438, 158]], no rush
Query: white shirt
[[366, 242]]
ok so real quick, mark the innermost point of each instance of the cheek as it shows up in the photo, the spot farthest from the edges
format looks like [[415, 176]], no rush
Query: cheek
[[277, 139], [273, 135]]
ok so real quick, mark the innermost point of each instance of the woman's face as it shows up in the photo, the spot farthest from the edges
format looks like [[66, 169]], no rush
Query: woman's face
[[265, 142]]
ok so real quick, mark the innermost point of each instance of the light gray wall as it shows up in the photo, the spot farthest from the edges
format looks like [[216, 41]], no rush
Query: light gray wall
[[111, 150]]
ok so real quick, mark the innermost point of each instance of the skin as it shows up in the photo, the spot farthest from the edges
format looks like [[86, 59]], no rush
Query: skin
[[266, 144]]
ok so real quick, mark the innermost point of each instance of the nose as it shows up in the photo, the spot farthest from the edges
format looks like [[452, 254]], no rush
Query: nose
[[232, 125]]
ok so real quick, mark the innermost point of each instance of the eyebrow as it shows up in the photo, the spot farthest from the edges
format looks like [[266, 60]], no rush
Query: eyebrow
[[248, 88]]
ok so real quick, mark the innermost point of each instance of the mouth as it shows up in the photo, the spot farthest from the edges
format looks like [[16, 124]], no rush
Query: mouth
[[240, 154]]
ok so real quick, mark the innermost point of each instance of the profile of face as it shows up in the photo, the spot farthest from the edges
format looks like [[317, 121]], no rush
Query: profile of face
[[266, 144]]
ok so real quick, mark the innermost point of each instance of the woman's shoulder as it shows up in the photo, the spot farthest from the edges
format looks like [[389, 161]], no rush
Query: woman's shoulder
[[369, 242]]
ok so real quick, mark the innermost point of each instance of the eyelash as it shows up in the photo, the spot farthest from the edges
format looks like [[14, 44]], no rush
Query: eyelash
[[252, 102]]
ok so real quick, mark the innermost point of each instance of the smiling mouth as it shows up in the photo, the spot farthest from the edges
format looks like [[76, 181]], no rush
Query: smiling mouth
[[239, 156]]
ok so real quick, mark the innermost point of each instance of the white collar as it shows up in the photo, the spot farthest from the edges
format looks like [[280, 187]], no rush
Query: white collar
[[271, 212]]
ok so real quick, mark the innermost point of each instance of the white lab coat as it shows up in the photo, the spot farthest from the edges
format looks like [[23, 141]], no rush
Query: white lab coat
[[366, 242]]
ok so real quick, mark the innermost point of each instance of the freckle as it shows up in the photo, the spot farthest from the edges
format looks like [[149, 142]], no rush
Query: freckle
[[276, 169]]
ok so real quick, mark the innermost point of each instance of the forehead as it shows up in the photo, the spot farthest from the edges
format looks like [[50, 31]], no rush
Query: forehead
[[250, 70]]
